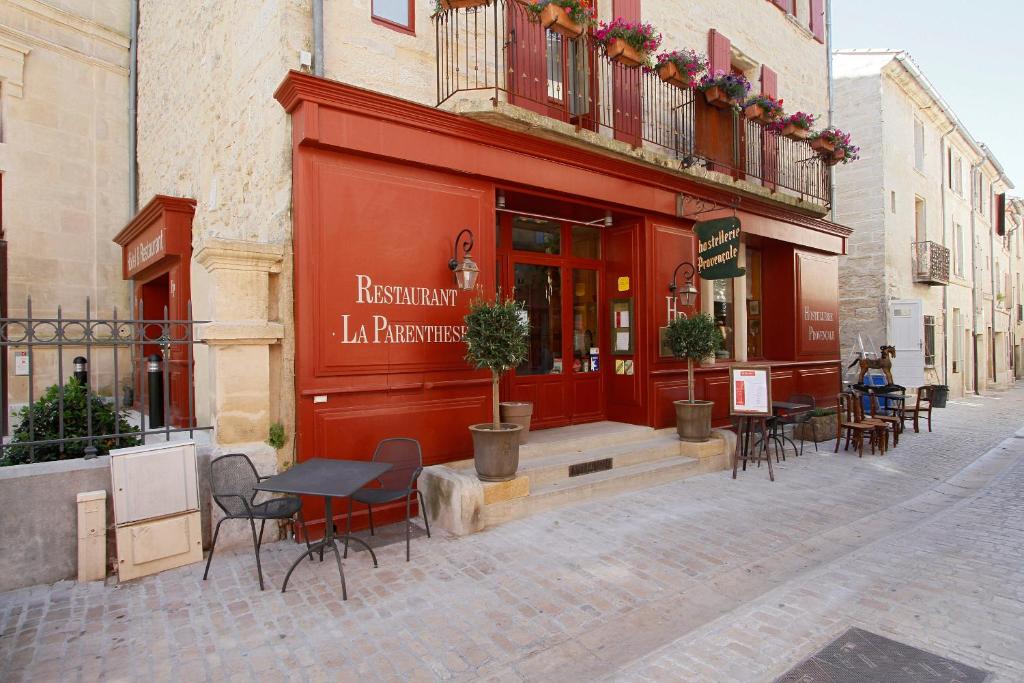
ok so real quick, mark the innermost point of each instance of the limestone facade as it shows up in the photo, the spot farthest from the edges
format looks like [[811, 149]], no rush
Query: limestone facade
[[63, 163], [922, 178]]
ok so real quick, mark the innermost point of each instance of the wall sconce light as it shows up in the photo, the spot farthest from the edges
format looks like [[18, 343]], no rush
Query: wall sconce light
[[608, 219], [499, 200], [687, 294], [465, 269]]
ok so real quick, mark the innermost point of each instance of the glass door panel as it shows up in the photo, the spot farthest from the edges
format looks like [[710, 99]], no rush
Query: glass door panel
[[539, 289], [584, 319]]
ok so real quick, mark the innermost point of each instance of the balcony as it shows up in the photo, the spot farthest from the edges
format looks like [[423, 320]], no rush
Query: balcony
[[930, 263], [496, 55]]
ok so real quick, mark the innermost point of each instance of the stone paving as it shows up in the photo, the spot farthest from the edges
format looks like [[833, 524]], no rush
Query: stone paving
[[707, 579]]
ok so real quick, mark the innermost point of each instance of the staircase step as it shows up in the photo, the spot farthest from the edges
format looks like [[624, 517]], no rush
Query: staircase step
[[596, 485], [584, 437], [545, 469]]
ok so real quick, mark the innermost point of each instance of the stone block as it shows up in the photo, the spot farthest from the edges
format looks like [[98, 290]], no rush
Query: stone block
[[495, 491], [454, 501]]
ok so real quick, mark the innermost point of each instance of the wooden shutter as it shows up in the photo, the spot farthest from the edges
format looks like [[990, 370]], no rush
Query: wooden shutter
[[719, 52], [769, 82], [627, 9], [1001, 213], [627, 121], [818, 20], [785, 5]]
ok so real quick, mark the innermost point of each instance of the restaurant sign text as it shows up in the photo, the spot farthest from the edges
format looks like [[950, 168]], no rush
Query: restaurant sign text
[[718, 249]]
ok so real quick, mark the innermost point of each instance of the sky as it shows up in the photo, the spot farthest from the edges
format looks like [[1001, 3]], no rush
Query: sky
[[972, 52]]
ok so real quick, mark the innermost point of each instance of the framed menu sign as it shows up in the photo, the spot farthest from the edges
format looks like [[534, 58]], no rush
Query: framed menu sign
[[750, 390]]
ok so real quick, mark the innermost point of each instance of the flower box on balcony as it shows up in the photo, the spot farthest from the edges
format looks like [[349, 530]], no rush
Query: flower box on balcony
[[755, 112], [463, 4], [555, 18], [820, 144], [670, 73], [835, 157], [717, 98], [620, 51], [795, 132]]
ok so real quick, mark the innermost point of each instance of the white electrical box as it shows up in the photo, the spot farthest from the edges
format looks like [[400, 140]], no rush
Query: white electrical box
[[154, 481], [156, 508]]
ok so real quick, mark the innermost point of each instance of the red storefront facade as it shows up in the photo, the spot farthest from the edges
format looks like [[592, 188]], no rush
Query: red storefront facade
[[383, 186]]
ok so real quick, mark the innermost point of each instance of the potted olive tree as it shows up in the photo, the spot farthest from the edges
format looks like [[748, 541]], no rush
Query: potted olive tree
[[694, 339], [496, 340]]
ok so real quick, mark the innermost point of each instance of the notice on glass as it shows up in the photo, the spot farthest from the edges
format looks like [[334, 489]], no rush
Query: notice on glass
[[750, 391], [622, 341]]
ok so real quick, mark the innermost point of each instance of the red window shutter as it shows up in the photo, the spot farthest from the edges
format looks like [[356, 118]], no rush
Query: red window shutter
[[719, 52], [627, 9], [818, 20], [769, 82], [785, 5], [1001, 213]]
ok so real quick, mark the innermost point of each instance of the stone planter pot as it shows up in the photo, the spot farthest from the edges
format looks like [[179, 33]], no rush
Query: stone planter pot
[[518, 413], [622, 52], [693, 420], [817, 429], [821, 145], [794, 132], [717, 98], [670, 73], [555, 17], [495, 451], [708, 362], [463, 4]]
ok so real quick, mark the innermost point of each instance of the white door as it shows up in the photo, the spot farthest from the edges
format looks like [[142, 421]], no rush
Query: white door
[[906, 333]]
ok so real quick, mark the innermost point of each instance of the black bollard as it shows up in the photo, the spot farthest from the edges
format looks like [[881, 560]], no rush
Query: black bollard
[[156, 391], [81, 370]]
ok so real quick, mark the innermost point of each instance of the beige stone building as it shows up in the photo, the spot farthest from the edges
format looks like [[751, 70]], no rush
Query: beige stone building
[[64, 162], [927, 267]]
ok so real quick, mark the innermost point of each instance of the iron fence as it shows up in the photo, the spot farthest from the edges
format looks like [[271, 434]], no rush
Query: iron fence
[[501, 49], [114, 351]]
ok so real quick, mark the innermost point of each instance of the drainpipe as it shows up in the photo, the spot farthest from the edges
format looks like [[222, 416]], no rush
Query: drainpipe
[[318, 38], [974, 284], [945, 290], [133, 98], [831, 107]]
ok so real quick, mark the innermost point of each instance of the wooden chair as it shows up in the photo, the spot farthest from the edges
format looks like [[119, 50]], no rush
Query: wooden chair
[[850, 427], [892, 422], [881, 435], [923, 406]]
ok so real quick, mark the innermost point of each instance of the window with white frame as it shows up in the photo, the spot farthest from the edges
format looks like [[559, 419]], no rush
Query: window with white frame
[[929, 341], [918, 145], [958, 177], [958, 334], [958, 248]]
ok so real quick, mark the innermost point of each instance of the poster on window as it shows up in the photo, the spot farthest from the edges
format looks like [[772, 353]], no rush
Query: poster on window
[[750, 390]]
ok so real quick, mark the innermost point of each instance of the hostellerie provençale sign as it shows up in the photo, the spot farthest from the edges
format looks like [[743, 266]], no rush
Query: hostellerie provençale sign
[[718, 249]]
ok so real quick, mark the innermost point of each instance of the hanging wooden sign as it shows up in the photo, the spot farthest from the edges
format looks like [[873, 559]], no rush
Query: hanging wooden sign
[[718, 249]]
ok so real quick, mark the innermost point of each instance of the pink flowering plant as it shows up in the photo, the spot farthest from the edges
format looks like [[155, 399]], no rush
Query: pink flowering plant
[[639, 35], [735, 86], [583, 12], [841, 141], [771, 106], [689, 62], [801, 120]]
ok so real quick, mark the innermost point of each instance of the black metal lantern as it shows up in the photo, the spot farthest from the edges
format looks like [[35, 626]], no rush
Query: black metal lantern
[[81, 369], [687, 294], [465, 269]]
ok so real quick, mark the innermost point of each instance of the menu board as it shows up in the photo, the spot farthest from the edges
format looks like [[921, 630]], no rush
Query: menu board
[[750, 390]]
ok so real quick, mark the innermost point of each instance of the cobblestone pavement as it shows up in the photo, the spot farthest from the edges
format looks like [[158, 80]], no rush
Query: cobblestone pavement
[[703, 580]]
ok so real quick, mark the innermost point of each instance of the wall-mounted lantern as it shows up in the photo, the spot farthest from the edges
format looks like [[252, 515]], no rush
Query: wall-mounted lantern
[[465, 269], [686, 294]]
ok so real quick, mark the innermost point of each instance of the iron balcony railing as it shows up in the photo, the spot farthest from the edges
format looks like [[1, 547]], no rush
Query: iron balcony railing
[[930, 263], [500, 50]]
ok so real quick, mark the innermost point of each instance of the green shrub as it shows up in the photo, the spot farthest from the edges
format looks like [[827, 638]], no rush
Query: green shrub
[[495, 339], [45, 414], [276, 438], [694, 338], [822, 412]]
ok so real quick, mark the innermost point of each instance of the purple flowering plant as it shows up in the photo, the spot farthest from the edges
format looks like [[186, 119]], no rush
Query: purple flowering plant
[[639, 35], [735, 86], [771, 106], [841, 140], [582, 12], [689, 62]]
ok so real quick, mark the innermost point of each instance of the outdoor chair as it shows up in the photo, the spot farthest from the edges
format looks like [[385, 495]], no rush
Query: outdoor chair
[[233, 478], [396, 484], [923, 406], [881, 427], [850, 427], [797, 418], [892, 422]]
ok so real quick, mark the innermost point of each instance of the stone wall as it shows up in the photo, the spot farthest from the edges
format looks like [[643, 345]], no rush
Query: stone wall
[[64, 160]]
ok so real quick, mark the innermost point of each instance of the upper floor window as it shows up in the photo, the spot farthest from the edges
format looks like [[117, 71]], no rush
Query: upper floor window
[[918, 145], [958, 177], [398, 14]]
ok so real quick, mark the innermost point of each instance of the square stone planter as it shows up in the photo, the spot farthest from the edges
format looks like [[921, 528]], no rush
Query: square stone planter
[[817, 429]]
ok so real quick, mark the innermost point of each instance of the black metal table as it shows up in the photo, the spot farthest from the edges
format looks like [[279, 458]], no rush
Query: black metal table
[[780, 435], [330, 479]]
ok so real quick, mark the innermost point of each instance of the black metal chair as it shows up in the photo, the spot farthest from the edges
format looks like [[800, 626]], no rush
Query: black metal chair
[[396, 484], [799, 417], [233, 479]]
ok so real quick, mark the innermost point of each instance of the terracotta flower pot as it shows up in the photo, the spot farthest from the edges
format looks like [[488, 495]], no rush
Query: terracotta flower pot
[[622, 52], [794, 132], [753, 111], [717, 98], [836, 156], [495, 451], [555, 17], [822, 145], [519, 413], [463, 4], [670, 73], [693, 420]]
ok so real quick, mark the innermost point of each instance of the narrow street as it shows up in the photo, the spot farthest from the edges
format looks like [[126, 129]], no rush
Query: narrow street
[[709, 579]]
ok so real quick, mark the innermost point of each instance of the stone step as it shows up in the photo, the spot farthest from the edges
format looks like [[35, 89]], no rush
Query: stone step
[[584, 437], [545, 469], [592, 486]]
